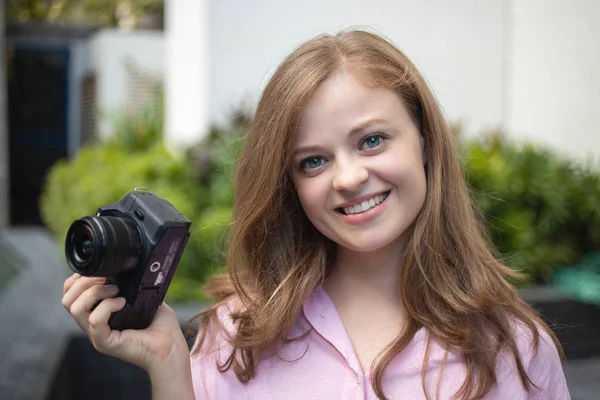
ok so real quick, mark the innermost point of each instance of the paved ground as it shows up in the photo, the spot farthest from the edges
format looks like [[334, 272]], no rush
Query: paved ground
[[34, 328]]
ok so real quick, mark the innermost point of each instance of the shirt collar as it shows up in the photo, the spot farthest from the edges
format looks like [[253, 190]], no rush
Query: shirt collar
[[322, 315]]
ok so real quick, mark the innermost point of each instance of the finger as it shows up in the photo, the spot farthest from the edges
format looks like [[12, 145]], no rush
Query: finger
[[77, 288], [84, 304], [69, 282], [100, 334]]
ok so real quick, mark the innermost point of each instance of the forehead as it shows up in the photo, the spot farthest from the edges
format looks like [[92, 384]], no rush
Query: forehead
[[342, 103]]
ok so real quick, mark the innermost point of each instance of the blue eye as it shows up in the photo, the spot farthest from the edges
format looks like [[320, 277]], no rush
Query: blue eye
[[372, 141], [312, 163]]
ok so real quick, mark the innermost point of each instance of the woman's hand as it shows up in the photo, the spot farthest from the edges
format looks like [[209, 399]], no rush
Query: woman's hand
[[160, 349]]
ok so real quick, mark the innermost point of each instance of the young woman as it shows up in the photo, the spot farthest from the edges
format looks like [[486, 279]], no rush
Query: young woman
[[357, 267]]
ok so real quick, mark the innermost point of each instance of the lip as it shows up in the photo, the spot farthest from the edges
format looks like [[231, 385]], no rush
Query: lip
[[366, 216], [359, 200]]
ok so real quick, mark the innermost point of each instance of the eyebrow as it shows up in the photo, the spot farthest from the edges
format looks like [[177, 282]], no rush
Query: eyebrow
[[354, 131]]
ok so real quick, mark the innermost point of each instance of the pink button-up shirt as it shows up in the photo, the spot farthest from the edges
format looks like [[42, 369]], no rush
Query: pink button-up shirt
[[324, 365]]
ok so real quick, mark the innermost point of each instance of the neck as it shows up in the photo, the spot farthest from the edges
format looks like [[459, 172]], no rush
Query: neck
[[371, 279]]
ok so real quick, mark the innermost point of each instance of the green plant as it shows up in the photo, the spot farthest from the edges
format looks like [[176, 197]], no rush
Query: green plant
[[99, 12], [541, 209], [138, 130]]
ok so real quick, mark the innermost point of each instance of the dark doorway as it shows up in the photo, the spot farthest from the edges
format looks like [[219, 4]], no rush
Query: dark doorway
[[37, 122]]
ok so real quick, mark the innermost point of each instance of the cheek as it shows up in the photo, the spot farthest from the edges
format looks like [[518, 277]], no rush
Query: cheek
[[413, 183], [313, 195], [404, 171], [415, 188], [309, 195]]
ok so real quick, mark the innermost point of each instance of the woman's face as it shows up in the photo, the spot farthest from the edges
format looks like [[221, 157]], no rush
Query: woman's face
[[358, 164]]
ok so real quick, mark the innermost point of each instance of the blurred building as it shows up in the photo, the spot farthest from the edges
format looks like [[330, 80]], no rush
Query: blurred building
[[64, 85], [41, 76]]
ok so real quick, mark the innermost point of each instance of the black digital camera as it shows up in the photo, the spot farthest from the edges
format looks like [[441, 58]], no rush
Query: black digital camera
[[136, 243]]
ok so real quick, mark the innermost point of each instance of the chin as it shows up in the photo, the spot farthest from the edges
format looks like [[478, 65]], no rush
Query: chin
[[368, 246]]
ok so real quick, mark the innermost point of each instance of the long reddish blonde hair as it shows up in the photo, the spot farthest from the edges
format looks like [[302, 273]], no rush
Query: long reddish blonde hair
[[451, 281]]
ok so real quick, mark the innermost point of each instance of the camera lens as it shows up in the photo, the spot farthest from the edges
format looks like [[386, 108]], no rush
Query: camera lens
[[103, 246], [83, 244]]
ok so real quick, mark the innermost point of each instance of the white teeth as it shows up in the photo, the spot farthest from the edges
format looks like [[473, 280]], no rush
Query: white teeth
[[365, 205]]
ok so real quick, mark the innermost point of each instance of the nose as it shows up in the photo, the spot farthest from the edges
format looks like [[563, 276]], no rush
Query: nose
[[348, 175]]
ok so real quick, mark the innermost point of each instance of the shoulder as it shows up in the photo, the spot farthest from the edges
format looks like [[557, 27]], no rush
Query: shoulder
[[541, 361], [219, 327], [206, 357], [531, 350]]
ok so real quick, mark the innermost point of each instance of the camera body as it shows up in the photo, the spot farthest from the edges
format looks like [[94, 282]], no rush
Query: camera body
[[136, 243]]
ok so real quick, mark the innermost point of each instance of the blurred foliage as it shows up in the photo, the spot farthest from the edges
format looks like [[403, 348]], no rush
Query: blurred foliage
[[138, 130], [542, 210], [97, 12]]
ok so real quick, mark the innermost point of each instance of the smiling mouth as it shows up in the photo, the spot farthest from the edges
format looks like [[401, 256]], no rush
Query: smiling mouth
[[364, 206]]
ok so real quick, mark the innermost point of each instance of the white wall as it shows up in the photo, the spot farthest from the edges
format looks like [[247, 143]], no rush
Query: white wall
[[80, 65], [531, 67], [459, 46], [555, 83], [186, 119], [110, 50]]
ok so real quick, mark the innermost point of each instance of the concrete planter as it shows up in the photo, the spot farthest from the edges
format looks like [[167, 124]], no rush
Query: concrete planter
[[576, 324]]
